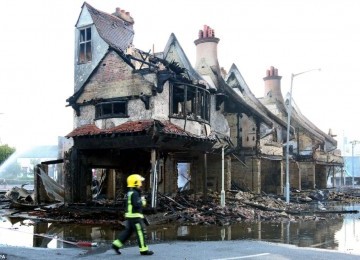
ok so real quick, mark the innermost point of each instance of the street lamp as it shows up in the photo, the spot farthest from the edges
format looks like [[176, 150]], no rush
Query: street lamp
[[353, 143], [287, 187]]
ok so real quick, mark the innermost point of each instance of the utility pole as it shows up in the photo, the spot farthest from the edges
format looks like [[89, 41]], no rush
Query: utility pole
[[353, 143], [287, 184]]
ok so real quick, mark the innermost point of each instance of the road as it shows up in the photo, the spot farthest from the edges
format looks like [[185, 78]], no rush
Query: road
[[214, 250]]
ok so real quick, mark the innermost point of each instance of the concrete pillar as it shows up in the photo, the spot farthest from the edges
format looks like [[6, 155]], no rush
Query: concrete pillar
[[282, 172], [227, 173], [256, 175]]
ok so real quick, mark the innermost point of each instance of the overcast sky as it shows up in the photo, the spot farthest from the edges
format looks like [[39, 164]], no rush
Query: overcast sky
[[37, 54]]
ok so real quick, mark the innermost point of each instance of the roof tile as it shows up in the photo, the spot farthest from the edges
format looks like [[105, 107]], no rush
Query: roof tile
[[115, 31]]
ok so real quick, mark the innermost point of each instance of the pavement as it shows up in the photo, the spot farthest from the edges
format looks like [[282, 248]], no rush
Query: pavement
[[207, 250]]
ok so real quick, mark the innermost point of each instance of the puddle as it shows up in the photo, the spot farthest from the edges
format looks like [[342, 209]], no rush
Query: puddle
[[340, 233]]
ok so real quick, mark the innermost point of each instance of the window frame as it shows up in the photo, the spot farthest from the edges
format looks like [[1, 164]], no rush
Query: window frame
[[85, 45], [111, 107], [195, 104]]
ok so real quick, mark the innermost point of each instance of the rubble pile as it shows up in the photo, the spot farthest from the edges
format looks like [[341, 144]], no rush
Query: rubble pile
[[197, 209], [190, 208]]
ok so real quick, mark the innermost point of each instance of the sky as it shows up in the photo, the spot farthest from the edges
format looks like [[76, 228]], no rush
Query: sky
[[37, 55]]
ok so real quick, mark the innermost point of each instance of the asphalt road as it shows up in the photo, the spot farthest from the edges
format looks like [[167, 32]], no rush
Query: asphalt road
[[214, 250]]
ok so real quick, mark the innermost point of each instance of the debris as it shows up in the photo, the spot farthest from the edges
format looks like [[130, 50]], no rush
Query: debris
[[191, 208], [54, 191]]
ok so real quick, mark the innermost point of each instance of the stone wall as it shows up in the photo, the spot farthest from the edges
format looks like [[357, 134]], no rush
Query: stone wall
[[214, 172], [321, 173], [247, 176], [271, 176], [294, 175], [307, 175]]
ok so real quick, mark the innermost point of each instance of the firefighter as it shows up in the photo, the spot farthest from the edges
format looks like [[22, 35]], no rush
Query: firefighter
[[134, 218]]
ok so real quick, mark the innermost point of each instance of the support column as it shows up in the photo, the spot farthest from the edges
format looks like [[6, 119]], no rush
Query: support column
[[111, 184], [299, 180], [154, 179], [228, 173], [256, 175], [282, 173], [205, 175]]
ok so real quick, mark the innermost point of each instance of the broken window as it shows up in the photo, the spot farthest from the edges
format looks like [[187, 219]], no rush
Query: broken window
[[190, 101], [184, 176], [111, 109], [85, 45]]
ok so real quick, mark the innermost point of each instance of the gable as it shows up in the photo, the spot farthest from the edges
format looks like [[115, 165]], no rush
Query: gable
[[113, 78], [85, 18], [174, 52], [106, 31]]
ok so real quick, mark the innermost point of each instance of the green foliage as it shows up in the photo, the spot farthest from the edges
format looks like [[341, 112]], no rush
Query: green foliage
[[5, 152]]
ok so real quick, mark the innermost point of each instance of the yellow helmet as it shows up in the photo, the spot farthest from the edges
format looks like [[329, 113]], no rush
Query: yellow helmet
[[135, 181]]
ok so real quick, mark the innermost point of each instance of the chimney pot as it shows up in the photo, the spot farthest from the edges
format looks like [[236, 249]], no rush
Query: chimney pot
[[200, 34], [205, 35], [118, 10]]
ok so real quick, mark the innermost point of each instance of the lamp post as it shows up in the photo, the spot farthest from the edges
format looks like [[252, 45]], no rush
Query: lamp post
[[353, 143], [287, 187], [222, 195]]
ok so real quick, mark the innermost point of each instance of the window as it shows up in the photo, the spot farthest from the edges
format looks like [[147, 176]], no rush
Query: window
[[191, 102], [85, 45], [111, 109]]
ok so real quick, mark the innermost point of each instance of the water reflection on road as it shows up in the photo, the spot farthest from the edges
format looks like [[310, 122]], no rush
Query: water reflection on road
[[341, 233]]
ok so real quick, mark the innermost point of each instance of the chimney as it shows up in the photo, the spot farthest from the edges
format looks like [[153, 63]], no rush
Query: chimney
[[206, 50], [273, 85], [125, 16]]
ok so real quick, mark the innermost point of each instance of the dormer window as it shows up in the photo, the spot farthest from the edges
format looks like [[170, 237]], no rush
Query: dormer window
[[85, 54]]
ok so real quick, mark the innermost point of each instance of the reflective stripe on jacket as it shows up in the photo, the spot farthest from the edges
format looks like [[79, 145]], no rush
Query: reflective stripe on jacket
[[133, 205]]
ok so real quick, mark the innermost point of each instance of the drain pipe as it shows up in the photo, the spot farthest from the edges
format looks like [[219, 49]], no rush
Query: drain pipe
[[222, 198]]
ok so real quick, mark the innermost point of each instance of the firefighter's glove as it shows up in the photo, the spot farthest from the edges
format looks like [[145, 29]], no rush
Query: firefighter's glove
[[143, 201]]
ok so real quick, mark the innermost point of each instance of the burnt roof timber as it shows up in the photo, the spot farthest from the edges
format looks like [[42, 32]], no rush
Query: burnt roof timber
[[240, 79], [241, 102]]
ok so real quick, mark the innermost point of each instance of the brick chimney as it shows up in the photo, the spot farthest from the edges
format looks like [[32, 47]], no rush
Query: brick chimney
[[206, 50], [273, 85], [122, 14]]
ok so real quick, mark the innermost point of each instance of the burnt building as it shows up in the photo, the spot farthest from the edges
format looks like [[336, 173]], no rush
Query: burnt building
[[179, 126], [313, 154], [262, 171]]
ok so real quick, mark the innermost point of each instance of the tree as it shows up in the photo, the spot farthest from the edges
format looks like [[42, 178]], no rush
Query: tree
[[5, 152]]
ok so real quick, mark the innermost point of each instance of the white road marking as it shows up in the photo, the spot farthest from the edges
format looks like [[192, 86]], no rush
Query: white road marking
[[241, 257]]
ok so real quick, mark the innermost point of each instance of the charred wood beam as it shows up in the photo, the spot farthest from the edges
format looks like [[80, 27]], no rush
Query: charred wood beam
[[162, 77], [173, 201], [53, 162], [146, 101], [143, 61], [144, 58]]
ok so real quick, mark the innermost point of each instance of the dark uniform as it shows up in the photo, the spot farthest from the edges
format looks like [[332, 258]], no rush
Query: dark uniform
[[134, 222]]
